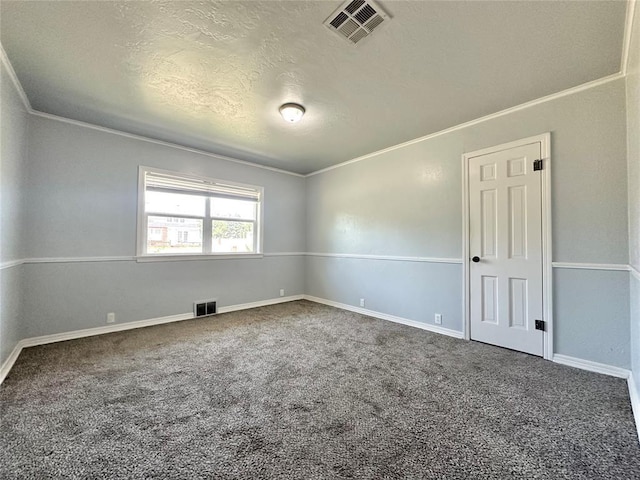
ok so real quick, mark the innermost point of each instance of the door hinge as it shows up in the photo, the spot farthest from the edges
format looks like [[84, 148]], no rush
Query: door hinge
[[537, 165], [540, 325]]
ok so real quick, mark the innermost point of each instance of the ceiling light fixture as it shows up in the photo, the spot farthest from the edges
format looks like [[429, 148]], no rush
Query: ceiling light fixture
[[292, 112]]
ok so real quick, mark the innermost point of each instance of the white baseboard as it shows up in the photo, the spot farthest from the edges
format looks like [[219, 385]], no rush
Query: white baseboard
[[635, 401], [8, 363], [90, 332], [386, 316], [561, 359], [607, 370], [262, 303], [591, 366]]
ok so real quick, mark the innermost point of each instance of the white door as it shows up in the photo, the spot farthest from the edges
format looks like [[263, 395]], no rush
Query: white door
[[505, 246]]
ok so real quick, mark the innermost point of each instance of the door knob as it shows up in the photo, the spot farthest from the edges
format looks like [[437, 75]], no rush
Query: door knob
[[475, 259]]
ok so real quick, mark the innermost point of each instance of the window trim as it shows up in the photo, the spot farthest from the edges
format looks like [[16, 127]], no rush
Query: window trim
[[141, 228]]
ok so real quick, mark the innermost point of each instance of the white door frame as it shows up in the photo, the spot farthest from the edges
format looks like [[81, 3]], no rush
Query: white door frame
[[547, 273]]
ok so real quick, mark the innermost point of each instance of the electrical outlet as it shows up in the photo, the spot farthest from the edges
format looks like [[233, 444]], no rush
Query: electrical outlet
[[438, 319], [282, 292], [111, 317], [362, 302]]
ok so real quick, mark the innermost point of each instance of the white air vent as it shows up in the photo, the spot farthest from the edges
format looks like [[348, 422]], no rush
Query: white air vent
[[356, 19]]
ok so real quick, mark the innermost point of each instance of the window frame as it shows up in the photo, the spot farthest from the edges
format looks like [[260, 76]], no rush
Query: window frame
[[207, 220]]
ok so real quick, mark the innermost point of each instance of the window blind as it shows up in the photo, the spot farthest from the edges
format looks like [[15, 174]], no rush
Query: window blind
[[162, 182]]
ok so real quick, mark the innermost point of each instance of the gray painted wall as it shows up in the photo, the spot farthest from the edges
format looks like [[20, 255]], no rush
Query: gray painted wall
[[591, 309], [11, 309], [633, 153], [83, 191], [13, 150], [62, 297], [412, 290], [83, 202], [407, 202]]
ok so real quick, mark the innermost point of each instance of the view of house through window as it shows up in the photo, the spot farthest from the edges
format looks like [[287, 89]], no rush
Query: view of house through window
[[194, 215]]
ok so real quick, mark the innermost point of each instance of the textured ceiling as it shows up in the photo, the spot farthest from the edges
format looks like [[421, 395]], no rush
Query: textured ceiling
[[211, 75]]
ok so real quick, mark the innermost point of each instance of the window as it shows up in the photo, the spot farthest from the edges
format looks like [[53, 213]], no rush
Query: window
[[188, 215]]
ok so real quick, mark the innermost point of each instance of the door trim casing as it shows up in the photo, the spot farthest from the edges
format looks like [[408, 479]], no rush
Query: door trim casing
[[547, 273]]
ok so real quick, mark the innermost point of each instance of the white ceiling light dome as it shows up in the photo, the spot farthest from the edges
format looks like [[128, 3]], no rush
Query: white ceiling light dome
[[292, 112]]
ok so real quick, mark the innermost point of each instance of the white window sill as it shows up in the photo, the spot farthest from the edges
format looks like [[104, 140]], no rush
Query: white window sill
[[188, 257]]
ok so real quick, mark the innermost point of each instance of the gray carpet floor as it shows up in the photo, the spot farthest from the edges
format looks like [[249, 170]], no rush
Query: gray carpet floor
[[305, 391]]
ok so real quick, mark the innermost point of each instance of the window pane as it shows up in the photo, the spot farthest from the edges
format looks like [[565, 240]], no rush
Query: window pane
[[232, 237], [174, 235], [176, 203], [229, 208]]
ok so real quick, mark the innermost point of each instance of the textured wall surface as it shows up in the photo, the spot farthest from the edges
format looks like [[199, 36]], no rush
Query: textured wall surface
[[12, 317], [13, 150], [411, 290], [63, 297], [83, 187], [407, 202], [633, 153], [13, 153], [591, 311]]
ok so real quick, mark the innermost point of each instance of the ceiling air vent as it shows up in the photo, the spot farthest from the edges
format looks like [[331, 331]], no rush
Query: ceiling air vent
[[356, 19]]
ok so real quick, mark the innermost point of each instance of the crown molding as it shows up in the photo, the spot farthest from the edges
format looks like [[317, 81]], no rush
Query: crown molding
[[626, 46], [14, 79], [507, 111], [163, 143], [541, 100], [25, 100], [626, 42]]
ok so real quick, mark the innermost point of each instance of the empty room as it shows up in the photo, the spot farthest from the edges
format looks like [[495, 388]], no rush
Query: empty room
[[320, 239]]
